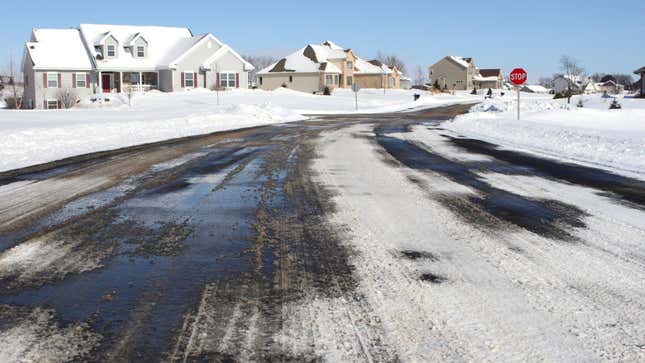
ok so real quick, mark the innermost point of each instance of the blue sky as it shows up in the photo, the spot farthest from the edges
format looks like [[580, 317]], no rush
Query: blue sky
[[605, 36]]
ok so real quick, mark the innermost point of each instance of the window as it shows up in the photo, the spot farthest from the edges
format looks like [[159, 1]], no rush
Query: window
[[52, 104], [260, 81], [392, 82], [189, 79], [350, 65], [81, 80], [52, 80], [227, 80], [329, 79], [141, 51], [290, 79], [111, 50], [134, 78], [350, 81]]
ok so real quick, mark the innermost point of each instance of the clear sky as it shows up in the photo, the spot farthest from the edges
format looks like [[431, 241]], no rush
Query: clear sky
[[606, 36]]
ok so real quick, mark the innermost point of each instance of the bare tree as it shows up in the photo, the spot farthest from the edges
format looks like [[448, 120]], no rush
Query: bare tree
[[67, 98], [419, 76], [15, 89], [259, 62], [391, 60], [571, 68]]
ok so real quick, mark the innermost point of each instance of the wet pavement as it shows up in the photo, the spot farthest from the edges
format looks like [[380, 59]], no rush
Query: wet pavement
[[236, 224]]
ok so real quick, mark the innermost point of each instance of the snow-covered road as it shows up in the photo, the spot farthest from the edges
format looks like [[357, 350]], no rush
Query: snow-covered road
[[462, 262], [357, 238]]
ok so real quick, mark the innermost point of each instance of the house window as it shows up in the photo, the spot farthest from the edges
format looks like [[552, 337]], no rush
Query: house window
[[329, 79], [260, 81], [134, 78], [392, 82], [227, 80], [141, 51], [290, 79], [81, 80], [111, 50], [350, 65], [52, 104], [189, 79], [350, 81], [52, 80]]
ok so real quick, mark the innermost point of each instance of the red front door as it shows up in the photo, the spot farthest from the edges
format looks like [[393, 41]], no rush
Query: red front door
[[105, 81]]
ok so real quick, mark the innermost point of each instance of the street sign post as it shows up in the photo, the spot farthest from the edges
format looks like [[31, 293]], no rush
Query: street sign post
[[356, 88], [518, 78]]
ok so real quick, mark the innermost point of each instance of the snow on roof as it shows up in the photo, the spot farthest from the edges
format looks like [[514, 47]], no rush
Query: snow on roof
[[536, 88], [486, 79], [223, 50], [464, 62], [316, 58], [163, 44], [59, 49]]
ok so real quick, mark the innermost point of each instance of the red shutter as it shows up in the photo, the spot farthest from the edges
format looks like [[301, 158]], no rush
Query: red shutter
[[59, 79], [217, 81], [237, 80], [195, 80], [59, 105], [87, 80], [44, 104], [44, 80], [183, 80], [73, 80]]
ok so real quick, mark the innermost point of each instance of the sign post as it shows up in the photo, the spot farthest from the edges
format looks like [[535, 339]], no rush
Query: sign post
[[356, 88], [518, 77]]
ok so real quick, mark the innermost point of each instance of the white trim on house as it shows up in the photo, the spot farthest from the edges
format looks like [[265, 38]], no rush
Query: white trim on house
[[210, 36], [222, 51]]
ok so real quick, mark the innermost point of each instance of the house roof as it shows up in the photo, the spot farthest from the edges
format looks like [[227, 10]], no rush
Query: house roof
[[59, 49], [490, 72], [462, 61], [535, 88], [221, 52], [316, 58], [164, 44], [640, 70]]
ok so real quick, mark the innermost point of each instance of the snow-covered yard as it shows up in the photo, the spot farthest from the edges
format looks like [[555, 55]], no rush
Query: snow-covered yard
[[34, 137], [593, 134]]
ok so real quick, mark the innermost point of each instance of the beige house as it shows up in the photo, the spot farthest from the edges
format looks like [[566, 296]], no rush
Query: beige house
[[641, 73], [315, 67], [461, 73]]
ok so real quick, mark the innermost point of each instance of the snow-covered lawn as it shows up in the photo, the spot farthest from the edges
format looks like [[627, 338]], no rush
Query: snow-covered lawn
[[595, 135], [34, 137]]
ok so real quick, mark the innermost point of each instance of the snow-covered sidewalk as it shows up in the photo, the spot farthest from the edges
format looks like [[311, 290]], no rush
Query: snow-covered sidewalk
[[592, 135], [34, 137]]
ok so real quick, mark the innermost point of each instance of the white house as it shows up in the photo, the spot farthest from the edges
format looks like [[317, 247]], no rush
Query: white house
[[118, 58]]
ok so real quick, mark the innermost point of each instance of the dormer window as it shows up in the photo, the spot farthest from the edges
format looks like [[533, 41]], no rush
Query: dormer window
[[141, 51], [111, 50]]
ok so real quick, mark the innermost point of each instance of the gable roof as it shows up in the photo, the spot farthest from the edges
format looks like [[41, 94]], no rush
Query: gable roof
[[58, 49], [221, 52], [316, 58], [311, 59], [640, 70], [163, 43], [461, 61]]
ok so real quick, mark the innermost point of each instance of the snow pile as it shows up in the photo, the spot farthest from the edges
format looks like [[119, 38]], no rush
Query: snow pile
[[593, 134], [106, 122]]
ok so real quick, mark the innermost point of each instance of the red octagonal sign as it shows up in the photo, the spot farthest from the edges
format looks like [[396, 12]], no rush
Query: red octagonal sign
[[518, 76]]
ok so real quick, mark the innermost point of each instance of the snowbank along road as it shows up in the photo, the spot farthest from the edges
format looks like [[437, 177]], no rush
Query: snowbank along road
[[360, 238]]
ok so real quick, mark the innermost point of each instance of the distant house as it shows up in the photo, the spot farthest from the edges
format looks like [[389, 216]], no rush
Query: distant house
[[406, 83], [118, 58], [611, 87], [461, 73], [592, 87], [453, 72], [327, 65], [563, 84], [489, 78], [534, 88], [641, 73]]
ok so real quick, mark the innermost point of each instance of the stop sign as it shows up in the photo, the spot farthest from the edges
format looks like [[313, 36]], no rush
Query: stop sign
[[518, 76]]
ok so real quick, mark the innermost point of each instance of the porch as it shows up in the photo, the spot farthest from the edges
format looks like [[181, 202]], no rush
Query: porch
[[117, 82]]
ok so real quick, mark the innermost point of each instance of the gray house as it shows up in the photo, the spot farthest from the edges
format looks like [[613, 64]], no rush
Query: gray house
[[641, 73], [117, 58]]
